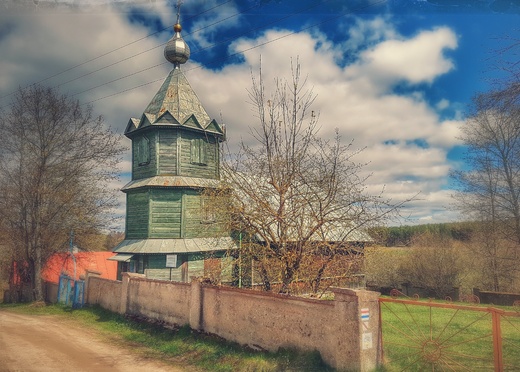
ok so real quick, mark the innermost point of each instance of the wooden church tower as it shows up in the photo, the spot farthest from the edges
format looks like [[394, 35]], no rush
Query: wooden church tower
[[175, 156]]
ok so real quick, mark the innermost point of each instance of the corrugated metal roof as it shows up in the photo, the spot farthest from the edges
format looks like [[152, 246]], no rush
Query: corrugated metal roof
[[121, 257], [172, 181], [63, 262], [176, 104], [343, 233], [177, 96], [195, 245]]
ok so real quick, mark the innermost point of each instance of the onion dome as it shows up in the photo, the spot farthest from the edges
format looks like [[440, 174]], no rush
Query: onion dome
[[176, 50]]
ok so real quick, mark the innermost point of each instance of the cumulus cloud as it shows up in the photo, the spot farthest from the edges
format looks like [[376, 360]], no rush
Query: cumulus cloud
[[405, 140], [212, 25], [362, 33], [420, 59]]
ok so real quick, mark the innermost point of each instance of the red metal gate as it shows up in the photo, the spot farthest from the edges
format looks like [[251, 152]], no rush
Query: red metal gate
[[434, 336]]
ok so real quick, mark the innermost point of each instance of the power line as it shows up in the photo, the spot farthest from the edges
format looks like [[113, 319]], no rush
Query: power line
[[148, 50], [202, 49], [245, 50], [110, 52], [198, 51], [263, 26]]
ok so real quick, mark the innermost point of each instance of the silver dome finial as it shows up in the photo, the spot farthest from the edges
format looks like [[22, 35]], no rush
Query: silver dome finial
[[176, 50]]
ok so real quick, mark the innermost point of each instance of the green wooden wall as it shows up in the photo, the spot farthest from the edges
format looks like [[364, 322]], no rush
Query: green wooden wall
[[168, 213], [188, 265], [166, 217], [168, 152], [137, 220], [199, 155], [198, 223], [149, 169]]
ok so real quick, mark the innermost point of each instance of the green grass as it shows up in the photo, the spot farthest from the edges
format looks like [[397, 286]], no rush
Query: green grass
[[179, 346], [416, 338], [421, 338]]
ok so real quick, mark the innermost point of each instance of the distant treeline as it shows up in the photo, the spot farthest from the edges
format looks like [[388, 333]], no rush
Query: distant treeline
[[404, 235]]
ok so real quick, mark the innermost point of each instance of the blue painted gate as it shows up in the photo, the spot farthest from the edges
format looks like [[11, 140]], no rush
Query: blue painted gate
[[71, 292]]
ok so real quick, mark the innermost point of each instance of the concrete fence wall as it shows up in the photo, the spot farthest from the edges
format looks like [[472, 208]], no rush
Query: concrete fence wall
[[50, 291], [159, 300], [345, 331], [103, 292]]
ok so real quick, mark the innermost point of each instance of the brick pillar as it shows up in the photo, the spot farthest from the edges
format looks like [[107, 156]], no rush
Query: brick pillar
[[196, 304], [357, 337]]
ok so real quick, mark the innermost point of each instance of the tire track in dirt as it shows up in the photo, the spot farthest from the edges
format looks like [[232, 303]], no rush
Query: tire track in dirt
[[45, 343]]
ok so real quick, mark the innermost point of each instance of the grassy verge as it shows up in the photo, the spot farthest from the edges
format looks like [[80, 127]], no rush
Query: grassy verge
[[181, 346]]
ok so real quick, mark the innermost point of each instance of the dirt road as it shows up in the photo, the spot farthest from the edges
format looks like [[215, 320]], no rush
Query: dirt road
[[45, 343]]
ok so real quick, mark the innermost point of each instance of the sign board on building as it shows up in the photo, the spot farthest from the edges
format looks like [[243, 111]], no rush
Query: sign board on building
[[171, 260]]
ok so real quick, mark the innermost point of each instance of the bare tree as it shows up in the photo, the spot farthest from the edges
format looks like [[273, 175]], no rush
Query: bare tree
[[492, 136], [506, 59], [56, 163], [490, 189], [383, 266], [433, 263], [298, 199]]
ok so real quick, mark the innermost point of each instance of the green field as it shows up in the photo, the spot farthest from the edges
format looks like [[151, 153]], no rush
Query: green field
[[428, 338]]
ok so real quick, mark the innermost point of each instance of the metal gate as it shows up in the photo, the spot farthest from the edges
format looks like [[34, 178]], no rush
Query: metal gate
[[71, 292], [435, 336]]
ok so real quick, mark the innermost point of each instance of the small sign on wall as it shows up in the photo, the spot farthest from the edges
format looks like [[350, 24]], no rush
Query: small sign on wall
[[171, 260], [366, 342]]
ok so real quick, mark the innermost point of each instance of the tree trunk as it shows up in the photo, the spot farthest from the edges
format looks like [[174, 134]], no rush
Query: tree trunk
[[287, 279], [37, 277], [317, 280], [15, 288], [265, 279]]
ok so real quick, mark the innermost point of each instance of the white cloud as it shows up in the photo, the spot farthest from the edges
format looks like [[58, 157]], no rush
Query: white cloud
[[366, 32], [443, 104], [212, 26], [406, 141], [356, 98], [416, 60]]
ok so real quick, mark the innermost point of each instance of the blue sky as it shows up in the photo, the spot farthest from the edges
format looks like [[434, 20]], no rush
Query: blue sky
[[395, 76]]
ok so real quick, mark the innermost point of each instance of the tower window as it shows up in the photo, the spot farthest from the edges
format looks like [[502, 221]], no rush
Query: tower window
[[207, 211], [143, 151], [198, 151]]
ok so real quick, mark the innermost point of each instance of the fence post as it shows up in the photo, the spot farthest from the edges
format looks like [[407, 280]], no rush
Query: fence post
[[195, 315], [123, 305], [497, 341], [358, 335]]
